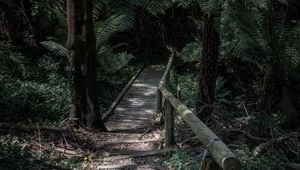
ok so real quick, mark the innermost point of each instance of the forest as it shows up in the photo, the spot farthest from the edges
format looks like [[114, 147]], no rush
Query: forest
[[150, 84]]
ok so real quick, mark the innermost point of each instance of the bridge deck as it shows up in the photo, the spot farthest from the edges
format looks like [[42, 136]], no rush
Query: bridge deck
[[130, 120]]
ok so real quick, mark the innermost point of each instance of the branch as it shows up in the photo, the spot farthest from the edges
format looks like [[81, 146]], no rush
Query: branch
[[262, 147], [248, 134]]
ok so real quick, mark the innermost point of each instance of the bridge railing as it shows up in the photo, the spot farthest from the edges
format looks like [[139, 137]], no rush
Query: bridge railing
[[167, 103]]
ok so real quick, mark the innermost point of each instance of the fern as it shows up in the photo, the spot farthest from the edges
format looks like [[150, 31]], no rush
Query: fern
[[55, 49], [192, 51], [111, 62], [255, 42], [115, 23]]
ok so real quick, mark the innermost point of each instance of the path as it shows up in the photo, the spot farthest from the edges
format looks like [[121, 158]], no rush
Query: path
[[133, 116]]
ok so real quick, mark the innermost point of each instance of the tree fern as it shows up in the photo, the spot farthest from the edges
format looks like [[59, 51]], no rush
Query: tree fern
[[115, 23], [255, 39]]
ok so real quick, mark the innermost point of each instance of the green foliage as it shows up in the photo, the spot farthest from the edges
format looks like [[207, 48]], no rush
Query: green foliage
[[35, 101], [181, 160], [256, 39], [271, 160], [111, 63], [55, 49], [15, 154], [192, 51], [112, 25], [188, 86], [222, 95]]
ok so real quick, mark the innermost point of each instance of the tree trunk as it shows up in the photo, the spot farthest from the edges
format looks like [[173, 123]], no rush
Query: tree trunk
[[274, 83], [84, 106], [18, 22], [208, 70]]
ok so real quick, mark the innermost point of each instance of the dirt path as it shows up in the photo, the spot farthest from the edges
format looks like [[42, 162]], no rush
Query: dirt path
[[131, 127]]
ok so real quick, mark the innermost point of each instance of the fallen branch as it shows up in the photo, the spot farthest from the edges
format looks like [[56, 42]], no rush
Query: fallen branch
[[66, 152], [263, 147], [293, 165], [148, 130], [247, 134]]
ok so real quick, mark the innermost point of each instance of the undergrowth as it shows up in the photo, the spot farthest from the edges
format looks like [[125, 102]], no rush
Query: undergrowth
[[40, 91], [232, 116], [15, 154]]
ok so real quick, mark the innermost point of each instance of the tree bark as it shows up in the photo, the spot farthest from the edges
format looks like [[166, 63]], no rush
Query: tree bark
[[274, 83], [208, 70], [82, 60]]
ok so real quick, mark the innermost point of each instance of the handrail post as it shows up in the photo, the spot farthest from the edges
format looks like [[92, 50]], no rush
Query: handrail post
[[178, 91], [169, 124], [158, 101], [159, 104]]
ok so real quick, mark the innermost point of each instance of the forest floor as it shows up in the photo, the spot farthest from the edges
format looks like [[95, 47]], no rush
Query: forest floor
[[133, 141]]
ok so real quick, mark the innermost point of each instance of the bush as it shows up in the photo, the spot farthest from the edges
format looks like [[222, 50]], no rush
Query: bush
[[34, 101]]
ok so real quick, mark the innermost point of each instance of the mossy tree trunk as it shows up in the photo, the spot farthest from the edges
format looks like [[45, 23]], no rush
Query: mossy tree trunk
[[208, 70], [84, 106]]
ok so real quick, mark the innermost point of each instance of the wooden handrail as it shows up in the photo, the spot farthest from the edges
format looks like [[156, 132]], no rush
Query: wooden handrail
[[219, 151]]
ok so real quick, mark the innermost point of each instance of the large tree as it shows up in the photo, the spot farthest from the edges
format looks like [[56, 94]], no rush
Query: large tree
[[208, 69], [84, 106]]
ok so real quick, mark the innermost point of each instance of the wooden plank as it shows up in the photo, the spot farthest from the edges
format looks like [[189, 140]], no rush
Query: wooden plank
[[151, 104], [128, 141], [125, 89], [140, 154], [131, 166]]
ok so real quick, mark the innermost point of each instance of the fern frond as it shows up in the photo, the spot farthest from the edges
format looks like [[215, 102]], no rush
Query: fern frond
[[56, 49], [111, 62], [191, 52], [98, 8], [115, 23]]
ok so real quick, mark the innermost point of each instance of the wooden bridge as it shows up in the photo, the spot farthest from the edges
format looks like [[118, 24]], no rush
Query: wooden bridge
[[134, 140]]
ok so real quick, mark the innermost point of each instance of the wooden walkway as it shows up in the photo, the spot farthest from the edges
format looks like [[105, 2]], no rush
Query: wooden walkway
[[134, 140]]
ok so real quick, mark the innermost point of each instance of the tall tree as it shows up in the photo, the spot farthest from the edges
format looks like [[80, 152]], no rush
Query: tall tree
[[208, 69], [18, 23], [82, 60]]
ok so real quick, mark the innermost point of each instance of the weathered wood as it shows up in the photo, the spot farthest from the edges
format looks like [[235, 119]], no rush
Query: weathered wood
[[140, 154], [210, 164], [260, 149], [159, 102], [158, 119], [178, 93], [159, 99], [219, 151], [167, 71], [292, 166], [169, 124], [131, 166], [133, 141], [120, 96]]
